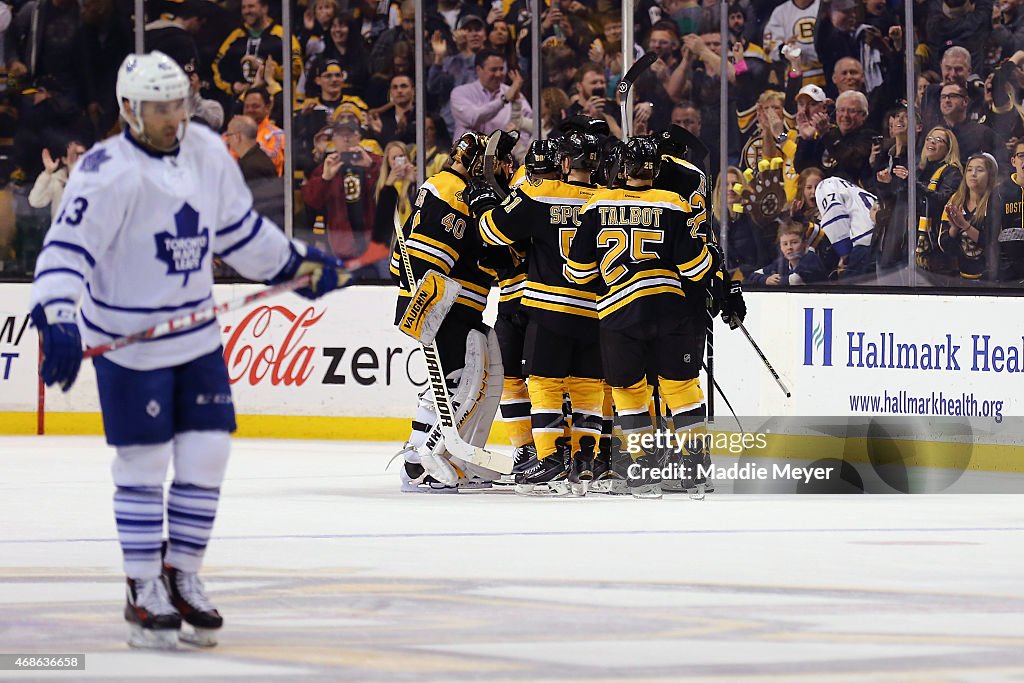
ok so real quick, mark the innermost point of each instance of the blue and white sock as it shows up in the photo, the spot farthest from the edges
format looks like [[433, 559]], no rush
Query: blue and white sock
[[190, 513], [139, 512]]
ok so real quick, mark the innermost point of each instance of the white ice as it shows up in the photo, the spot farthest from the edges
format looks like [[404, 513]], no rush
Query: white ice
[[324, 571]]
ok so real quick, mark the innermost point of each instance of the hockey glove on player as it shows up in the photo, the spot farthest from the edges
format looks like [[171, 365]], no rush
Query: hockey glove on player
[[480, 197], [735, 309], [62, 344], [323, 269]]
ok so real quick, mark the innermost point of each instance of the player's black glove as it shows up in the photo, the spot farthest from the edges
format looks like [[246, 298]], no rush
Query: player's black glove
[[327, 273], [480, 197], [62, 344], [735, 309]]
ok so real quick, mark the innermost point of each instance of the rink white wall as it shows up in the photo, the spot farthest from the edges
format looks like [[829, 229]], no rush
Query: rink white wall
[[340, 365]]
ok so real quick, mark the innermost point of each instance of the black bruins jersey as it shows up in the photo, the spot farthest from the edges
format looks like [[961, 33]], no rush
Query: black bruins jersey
[[507, 265], [439, 235], [546, 212], [641, 243]]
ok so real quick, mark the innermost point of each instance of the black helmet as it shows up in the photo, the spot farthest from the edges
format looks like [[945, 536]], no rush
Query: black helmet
[[469, 151], [641, 159], [543, 157], [582, 149], [581, 123]]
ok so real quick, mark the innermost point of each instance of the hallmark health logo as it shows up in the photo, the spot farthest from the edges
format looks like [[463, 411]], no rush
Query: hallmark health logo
[[818, 336]]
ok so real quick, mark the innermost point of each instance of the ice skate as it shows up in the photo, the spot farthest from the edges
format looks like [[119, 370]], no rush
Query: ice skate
[[525, 457], [188, 597], [416, 480], [613, 480], [581, 470], [642, 477], [153, 622], [546, 477]]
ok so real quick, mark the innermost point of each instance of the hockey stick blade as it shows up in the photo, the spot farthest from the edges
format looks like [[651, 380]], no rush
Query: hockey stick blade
[[490, 161], [185, 322], [639, 66], [624, 87]]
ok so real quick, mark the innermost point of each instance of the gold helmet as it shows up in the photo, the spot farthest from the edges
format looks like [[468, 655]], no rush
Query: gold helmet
[[469, 151]]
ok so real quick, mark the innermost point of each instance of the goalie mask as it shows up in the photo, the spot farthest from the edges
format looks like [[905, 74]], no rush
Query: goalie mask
[[469, 151]]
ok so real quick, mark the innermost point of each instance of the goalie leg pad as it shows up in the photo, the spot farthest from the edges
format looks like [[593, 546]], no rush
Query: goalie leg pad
[[434, 296]]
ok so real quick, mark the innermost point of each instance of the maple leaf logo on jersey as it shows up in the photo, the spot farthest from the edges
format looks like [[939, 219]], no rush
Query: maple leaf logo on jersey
[[91, 163], [184, 253]]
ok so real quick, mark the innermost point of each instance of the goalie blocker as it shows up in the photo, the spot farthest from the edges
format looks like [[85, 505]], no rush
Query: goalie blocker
[[434, 296]]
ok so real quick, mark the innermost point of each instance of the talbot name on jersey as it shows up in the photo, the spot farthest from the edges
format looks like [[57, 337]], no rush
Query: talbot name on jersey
[[630, 215]]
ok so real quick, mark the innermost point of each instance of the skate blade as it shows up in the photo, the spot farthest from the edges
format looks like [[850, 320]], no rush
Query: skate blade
[[152, 639], [547, 490], [647, 491], [697, 492], [474, 484], [199, 637], [578, 489], [610, 487]]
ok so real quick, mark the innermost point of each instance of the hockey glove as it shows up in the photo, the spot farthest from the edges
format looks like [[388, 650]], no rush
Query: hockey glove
[[62, 344], [735, 309], [480, 197], [326, 271]]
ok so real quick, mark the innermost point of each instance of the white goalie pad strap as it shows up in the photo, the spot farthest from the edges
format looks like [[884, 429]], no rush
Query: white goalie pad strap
[[434, 296]]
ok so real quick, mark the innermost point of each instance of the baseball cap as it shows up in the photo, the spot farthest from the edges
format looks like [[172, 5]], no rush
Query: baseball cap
[[812, 91], [332, 66], [348, 124], [468, 19], [844, 5]]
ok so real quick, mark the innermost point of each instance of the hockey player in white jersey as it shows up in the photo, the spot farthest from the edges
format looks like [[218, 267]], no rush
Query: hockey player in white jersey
[[847, 223], [133, 241]]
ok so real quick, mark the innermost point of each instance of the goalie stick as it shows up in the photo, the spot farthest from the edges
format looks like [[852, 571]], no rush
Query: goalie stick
[[490, 157], [453, 441], [191, 320]]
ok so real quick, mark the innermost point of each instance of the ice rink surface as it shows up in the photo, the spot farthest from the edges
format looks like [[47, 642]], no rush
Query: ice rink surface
[[325, 572]]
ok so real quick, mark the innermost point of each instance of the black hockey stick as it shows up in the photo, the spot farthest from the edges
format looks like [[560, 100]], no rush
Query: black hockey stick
[[764, 360], [490, 161], [453, 441], [724, 398], [641, 65]]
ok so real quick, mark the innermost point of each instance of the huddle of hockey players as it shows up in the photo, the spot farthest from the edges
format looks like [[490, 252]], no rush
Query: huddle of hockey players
[[609, 276]]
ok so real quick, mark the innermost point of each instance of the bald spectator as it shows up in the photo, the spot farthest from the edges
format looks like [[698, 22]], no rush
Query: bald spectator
[[241, 139]]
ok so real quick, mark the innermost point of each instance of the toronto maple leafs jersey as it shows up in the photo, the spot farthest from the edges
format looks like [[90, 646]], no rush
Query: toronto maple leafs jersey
[[134, 241], [845, 214]]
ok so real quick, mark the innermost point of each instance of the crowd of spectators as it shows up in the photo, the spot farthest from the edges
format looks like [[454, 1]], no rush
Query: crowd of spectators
[[816, 84]]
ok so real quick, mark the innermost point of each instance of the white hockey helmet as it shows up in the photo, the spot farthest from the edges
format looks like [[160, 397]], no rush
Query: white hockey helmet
[[152, 77]]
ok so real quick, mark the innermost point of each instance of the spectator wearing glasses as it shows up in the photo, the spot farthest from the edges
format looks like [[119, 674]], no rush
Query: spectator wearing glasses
[[1011, 228], [843, 150], [939, 175], [972, 137], [966, 230]]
